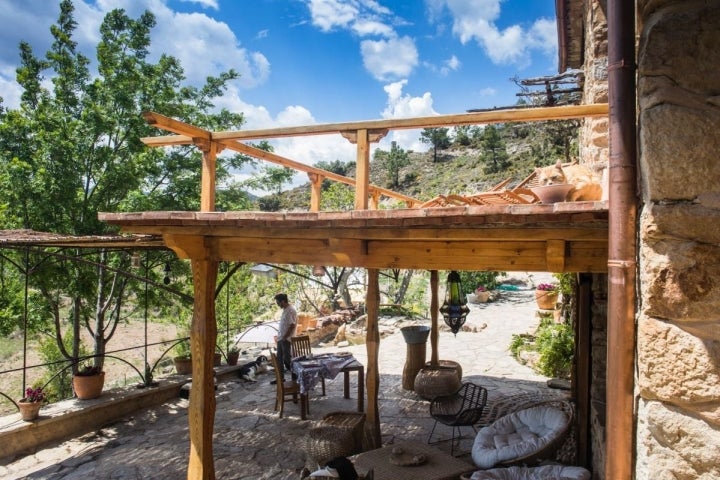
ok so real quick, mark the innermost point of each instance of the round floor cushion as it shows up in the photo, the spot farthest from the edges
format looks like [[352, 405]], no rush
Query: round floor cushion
[[561, 472], [518, 435]]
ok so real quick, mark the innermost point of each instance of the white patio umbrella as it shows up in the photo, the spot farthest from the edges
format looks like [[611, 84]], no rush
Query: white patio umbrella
[[259, 333]]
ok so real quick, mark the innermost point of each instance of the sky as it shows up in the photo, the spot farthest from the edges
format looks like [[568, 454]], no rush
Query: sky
[[305, 62]]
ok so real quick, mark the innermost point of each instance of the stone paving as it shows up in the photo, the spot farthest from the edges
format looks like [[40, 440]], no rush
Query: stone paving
[[251, 442]]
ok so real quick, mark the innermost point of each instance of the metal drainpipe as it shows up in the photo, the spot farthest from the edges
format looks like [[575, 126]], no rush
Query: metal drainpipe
[[622, 246]]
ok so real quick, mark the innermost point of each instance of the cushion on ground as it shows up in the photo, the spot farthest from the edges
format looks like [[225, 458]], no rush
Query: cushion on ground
[[561, 472], [518, 435]]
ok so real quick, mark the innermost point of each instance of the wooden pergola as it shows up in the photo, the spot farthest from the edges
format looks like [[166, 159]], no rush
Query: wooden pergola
[[563, 237]]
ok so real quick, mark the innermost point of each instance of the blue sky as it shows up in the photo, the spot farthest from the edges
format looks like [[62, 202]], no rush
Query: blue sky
[[320, 61]]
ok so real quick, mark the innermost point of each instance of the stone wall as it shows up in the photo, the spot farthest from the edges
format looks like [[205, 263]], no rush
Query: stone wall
[[678, 337], [594, 146]]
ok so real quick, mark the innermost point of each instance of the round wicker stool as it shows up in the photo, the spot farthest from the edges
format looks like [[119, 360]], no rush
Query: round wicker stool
[[435, 381], [449, 364]]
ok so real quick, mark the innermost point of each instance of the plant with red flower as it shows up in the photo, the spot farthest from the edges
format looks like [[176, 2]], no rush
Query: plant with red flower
[[548, 287], [33, 395]]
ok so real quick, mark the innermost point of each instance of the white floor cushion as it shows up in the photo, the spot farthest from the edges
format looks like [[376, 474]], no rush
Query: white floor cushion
[[560, 472], [518, 435]]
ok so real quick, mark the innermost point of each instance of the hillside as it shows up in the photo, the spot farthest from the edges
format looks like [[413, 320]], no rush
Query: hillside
[[467, 168]]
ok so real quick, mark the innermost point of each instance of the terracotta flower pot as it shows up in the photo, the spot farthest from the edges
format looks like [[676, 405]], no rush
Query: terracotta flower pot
[[183, 365], [217, 360], [233, 358], [87, 387], [29, 411], [546, 299]]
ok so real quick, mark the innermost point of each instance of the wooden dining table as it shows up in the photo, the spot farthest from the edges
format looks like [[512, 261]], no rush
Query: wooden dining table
[[310, 369]]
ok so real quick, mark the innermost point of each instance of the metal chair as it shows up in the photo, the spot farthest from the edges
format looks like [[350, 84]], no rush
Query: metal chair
[[287, 390], [460, 409], [299, 346]]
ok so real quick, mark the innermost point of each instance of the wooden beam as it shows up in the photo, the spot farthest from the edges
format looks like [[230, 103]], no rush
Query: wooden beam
[[555, 255], [176, 126], [207, 179], [372, 345], [564, 112], [203, 333], [362, 170], [167, 140], [434, 324]]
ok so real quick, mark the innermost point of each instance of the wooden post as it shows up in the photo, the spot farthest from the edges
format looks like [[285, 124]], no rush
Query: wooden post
[[203, 333], [434, 309], [372, 344], [362, 170], [374, 200], [315, 191], [207, 181]]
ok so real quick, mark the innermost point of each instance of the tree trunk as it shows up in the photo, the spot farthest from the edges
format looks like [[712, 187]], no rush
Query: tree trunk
[[400, 295]]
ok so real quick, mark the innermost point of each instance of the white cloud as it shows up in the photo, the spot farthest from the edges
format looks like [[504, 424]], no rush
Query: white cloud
[[389, 59], [331, 14], [205, 3], [402, 105], [475, 20]]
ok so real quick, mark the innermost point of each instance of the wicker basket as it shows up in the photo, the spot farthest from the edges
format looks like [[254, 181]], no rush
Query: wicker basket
[[326, 442], [431, 382], [449, 364], [352, 421]]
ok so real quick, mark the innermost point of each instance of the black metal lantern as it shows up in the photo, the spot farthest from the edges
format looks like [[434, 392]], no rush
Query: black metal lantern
[[454, 309], [167, 270]]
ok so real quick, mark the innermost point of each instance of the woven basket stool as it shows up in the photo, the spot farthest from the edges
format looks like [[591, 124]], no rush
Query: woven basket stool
[[449, 364], [352, 421], [326, 442], [435, 381]]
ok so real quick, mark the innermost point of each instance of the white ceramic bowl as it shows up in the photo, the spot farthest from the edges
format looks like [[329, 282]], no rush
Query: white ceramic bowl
[[552, 193]]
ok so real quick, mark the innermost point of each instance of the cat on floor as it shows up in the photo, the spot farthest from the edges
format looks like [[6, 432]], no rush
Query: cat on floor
[[586, 185]]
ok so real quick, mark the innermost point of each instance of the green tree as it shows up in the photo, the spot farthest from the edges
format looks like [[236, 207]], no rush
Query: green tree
[[73, 148], [494, 152], [393, 162], [437, 137]]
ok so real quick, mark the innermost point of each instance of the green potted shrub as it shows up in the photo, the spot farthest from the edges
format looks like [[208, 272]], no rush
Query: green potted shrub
[[233, 355], [182, 358], [88, 382]]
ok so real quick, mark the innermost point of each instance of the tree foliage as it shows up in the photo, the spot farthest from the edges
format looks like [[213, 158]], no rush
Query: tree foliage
[[437, 137], [73, 149]]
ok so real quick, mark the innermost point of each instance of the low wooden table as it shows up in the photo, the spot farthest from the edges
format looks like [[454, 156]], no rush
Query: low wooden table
[[438, 466]]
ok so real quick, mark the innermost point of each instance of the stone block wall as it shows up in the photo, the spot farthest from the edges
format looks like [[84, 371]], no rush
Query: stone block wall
[[678, 331]]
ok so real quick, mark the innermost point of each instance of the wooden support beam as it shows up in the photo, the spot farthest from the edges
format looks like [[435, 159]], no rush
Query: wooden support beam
[[372, 344], [563, 112], [555, 255], [176, 126], [374, 136], [362, 170], [434, 324], [208, 177], [203, 333], [315, 191]]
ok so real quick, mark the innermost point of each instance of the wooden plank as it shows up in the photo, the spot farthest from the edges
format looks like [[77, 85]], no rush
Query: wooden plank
[[203, 333], [434, 325], [362, 170], [207, 178], [563, 112], [176, 126], [582, 237]]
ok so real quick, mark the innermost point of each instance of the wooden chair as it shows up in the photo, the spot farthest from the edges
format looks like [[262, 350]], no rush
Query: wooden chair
[[286, 390], [460, 409], [300, 345]]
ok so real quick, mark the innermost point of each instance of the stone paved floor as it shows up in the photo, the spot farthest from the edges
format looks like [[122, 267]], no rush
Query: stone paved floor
[[251, 442]]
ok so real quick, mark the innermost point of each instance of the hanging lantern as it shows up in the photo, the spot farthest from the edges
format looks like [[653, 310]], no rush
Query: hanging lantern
[[166, 280], [454, 309], [318, 271]]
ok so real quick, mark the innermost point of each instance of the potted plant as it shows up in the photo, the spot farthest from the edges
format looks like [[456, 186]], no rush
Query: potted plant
[[182, 359], [482, 294], [30, 404], [233, 355], [546, 296], [88, 382]]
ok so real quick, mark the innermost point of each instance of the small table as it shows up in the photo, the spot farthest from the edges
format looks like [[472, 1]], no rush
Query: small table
[[309, 371], [437, 466]]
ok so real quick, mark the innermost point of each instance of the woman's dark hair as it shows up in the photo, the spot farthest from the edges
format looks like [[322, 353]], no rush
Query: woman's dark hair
[[281, 297]]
